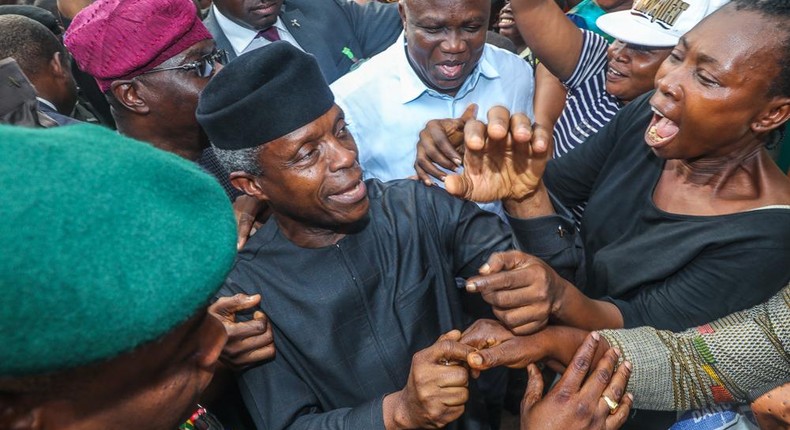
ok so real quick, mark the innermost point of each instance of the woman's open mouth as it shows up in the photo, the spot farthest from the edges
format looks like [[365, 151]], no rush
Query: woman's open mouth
[[661, 130]]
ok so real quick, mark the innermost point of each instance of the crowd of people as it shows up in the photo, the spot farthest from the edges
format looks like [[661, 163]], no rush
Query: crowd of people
[[352, 214]]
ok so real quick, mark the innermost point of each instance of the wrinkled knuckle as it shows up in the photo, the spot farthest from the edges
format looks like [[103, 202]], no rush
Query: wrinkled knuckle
[[581, 364], [232, 351], [582, 410], [603, 376], [507, 318], [494, 299], [563, 395]]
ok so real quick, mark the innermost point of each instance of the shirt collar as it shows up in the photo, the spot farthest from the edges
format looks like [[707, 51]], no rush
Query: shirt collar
[[413, 87], [238, 36], [47, 102]]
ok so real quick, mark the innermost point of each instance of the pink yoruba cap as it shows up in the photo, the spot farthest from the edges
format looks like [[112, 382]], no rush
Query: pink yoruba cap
[[119, 39]]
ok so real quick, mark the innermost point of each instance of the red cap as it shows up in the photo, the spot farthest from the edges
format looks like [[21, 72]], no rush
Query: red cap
[[119, 39]]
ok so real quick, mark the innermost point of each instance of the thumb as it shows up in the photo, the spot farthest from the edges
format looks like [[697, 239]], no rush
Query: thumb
[[453, 335], [458, 185], [534, 391], [226, 307], [260, 316], [505, 354]]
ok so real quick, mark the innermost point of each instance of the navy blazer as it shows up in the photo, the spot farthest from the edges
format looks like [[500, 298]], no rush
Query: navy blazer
[[57, 116], [324, 28]]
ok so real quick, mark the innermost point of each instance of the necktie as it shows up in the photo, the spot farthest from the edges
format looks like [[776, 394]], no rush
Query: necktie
[[269, 34]]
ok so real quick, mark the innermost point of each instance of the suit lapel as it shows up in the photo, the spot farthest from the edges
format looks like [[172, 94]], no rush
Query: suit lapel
[[219, 36], [308, 34]]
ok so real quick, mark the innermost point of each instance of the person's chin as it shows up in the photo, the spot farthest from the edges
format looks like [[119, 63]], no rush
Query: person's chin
[[447, 86]]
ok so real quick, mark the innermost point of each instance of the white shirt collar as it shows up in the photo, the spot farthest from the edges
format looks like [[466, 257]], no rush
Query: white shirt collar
[[238, 36], [47, 102]]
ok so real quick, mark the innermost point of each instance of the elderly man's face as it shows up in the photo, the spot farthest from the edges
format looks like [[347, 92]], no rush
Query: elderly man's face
[[173, 94], [311, 177], [445, 39], [253, 14]]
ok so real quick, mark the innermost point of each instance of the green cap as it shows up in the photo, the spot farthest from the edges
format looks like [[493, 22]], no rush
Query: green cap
[[106, 242]]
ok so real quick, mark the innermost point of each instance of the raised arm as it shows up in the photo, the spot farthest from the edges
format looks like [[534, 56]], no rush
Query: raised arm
[[551, 36], [550, 96]]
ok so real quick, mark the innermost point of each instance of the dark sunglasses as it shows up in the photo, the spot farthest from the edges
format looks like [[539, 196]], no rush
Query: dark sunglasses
[[204, 67]]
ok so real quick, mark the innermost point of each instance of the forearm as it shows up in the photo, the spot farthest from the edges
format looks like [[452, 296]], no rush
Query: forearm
[[367, 415], [550, 97], [574, 309], [554, 239], [535, 205], [562, 342], [736, 358], [394, 418]]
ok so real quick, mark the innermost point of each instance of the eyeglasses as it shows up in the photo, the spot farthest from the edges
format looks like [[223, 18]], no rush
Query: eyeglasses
[[204, 67]]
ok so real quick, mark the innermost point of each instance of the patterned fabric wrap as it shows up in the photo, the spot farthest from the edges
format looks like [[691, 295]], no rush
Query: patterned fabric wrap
[[202, 420], [737, 358]]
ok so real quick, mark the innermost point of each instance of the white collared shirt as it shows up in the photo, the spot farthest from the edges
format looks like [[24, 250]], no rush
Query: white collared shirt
[[244, 39], [387, 104], [47, 102]]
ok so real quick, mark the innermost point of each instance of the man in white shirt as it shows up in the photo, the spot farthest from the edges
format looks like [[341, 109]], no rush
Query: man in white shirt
[[436, 69]]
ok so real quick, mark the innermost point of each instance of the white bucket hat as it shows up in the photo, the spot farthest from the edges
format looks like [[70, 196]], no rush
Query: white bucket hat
[[658, 23]]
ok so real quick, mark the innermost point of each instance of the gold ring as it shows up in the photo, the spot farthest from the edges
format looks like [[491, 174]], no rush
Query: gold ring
[[611, 403]]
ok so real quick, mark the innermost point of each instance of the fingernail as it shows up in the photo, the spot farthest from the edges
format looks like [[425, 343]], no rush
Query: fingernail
[[457, 161], [628, 365], [443, 178], [596, 336], [485, 268], [471, 287], [475, 359], [617, 352], [428, 183], [630, 396]]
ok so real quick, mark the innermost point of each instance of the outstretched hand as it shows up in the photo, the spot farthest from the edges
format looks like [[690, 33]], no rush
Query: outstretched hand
[[577, 400], [503, 160], [524, 291]]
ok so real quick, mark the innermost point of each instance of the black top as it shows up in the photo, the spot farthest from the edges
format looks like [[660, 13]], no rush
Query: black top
[[664, 270], [349, 317]]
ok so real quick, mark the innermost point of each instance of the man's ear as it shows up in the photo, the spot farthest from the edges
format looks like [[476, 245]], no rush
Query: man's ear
[[249, 185], [58, 65], [211, 342], [128, 95], [776, 113]]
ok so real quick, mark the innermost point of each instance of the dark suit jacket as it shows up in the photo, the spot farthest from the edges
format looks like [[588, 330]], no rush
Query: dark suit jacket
[[324, 27], [58, 117]]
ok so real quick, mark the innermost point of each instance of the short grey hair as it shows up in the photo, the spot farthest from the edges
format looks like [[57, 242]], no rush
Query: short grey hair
[[240, 160]]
